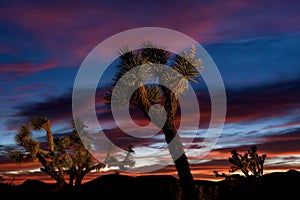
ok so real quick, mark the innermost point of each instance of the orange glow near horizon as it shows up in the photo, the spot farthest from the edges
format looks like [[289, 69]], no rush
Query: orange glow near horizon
[[30, 171]]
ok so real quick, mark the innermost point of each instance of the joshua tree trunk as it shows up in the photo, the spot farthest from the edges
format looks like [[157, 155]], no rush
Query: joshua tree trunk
[[71, 179], [190, 191], [78, 180], [44, 123], [47, 126], [187, 183], [56, 175]]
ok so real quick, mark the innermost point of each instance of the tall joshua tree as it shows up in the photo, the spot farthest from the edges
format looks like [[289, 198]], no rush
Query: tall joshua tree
[[187, 67]]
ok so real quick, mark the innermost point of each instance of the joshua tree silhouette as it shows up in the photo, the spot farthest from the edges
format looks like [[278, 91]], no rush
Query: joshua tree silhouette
[[145, 96]]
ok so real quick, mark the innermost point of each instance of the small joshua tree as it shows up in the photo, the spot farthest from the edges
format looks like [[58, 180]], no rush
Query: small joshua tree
[[124, 164], [249, 162]]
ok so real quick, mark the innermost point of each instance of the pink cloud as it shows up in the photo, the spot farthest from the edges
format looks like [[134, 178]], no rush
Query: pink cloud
[[25, 68], [6, 49], [28, 87]]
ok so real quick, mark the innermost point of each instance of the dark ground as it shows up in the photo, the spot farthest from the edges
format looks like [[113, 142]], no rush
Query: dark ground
[[278, 185]]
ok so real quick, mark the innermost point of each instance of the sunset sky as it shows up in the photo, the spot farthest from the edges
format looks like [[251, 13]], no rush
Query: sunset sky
[[255, 46]]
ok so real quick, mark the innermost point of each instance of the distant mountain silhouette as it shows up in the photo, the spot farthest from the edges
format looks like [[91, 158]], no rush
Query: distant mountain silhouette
[[277, 185], [116, 186]]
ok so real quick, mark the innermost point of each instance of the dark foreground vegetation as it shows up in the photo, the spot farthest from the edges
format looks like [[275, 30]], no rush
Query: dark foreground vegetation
[[277, 185]]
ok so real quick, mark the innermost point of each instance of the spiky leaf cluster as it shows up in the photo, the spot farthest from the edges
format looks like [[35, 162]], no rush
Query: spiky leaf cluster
[[155, 62]]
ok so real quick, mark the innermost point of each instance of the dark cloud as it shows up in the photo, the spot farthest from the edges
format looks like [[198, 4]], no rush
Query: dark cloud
[[244, 105], [266, 101], [122, 139], [286, 144], [55, 108], [279, 148]]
